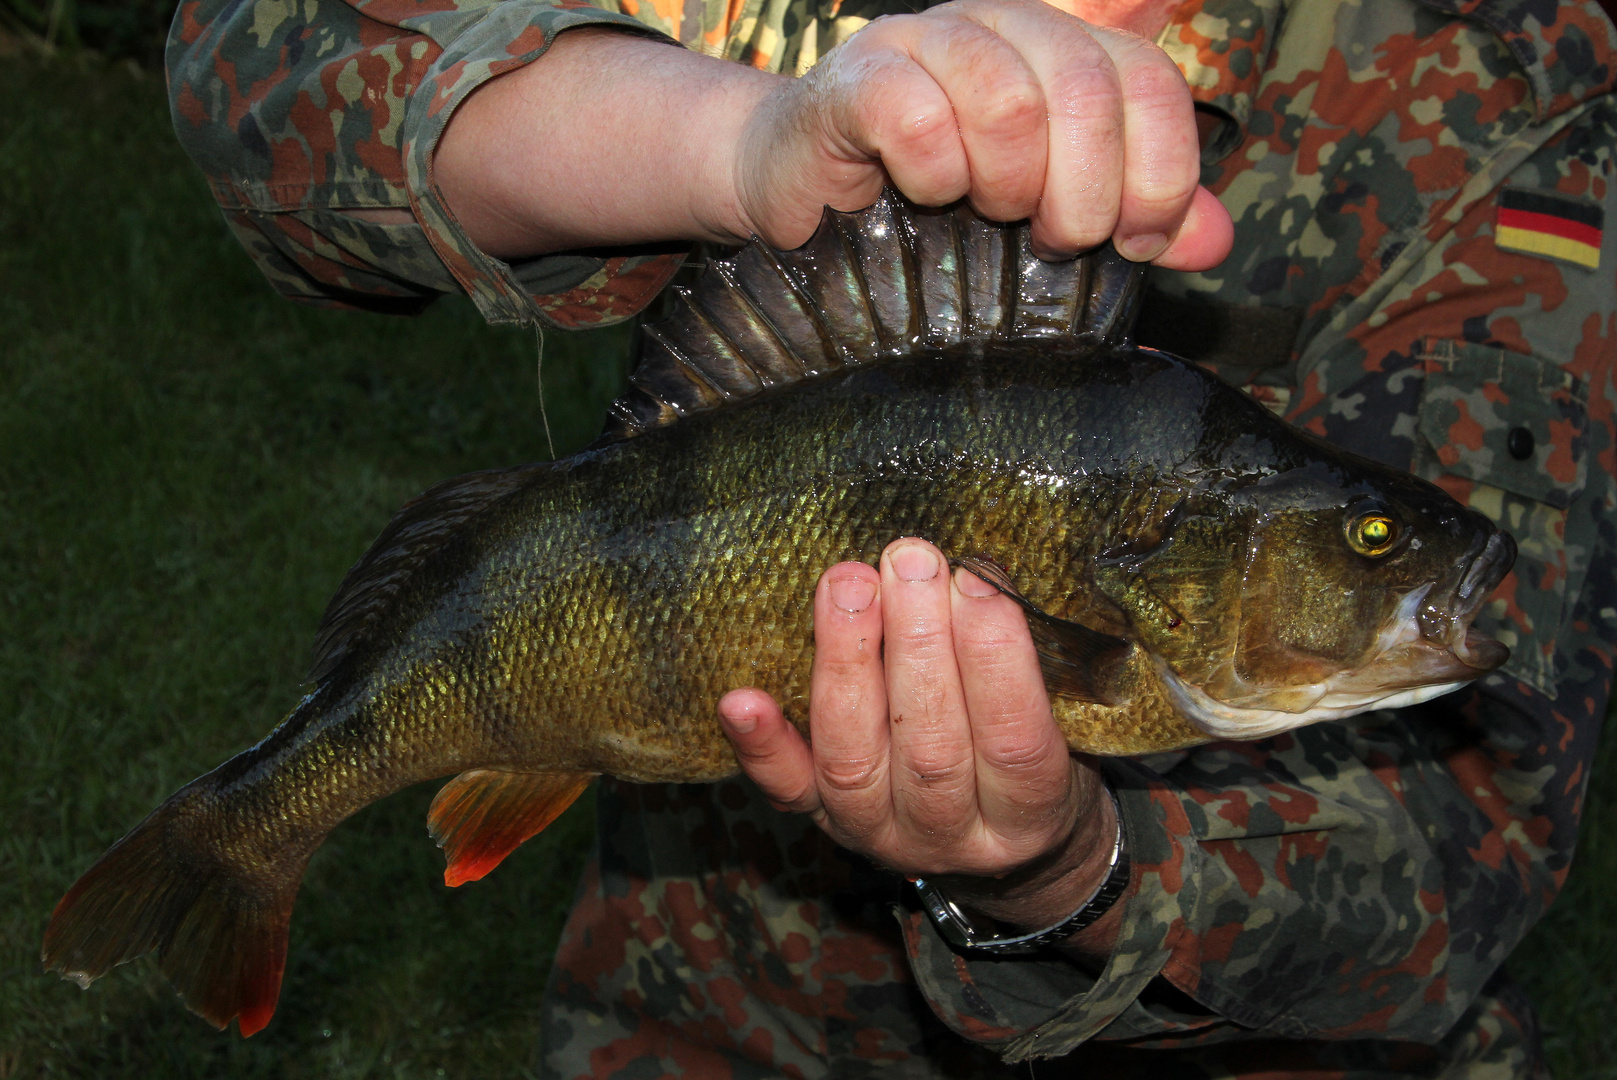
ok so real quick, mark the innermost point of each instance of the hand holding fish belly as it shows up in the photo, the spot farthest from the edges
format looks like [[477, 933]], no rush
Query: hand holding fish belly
[[933, 748], [1025, 110]]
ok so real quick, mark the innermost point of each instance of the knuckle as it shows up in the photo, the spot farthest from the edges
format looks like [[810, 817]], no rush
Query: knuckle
[[1087, 94], [919, 131], [1073, 237], [942, 772], [1153, 85], [1015, 110], [850, 776], [922, 640], [1027, 762], [884, 32], [1153, 199], [992, 636], [842, 670]]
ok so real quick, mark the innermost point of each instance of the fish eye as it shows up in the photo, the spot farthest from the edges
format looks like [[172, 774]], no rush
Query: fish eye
[[1372, 534]]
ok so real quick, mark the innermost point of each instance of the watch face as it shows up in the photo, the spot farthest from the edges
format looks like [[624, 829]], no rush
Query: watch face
[[956, 927]]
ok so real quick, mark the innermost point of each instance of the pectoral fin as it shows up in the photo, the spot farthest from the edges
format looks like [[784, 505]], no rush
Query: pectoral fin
[[483, 815], [1078, 663]]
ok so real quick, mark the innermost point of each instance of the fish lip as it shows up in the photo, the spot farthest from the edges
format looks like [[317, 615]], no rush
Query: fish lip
[[1445, 618]]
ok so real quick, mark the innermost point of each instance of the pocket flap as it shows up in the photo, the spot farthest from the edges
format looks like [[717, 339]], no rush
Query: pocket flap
[[1512, 421]]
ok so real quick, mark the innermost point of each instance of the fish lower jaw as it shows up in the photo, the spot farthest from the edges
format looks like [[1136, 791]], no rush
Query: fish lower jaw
[[1223, 721]]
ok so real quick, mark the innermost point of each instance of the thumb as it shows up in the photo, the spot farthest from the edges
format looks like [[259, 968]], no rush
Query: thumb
[[770, 750]]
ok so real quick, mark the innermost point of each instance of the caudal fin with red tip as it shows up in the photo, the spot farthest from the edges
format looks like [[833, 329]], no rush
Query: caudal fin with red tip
[[219, 934]]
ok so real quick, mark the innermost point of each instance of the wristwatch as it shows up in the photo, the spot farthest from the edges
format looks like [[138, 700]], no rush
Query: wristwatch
[[958, 929]]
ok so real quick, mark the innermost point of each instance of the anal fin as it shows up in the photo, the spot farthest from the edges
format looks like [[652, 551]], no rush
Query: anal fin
[[1078, 663], [483, 815]]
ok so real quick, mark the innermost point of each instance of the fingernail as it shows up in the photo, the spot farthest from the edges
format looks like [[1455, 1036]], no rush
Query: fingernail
[[912, 562], [1142, 248], [741, 724], [970, 584], [852, 594]]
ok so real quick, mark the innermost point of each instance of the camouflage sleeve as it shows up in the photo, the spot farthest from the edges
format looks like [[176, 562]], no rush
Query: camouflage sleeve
[[299, 111], [1366, 880]]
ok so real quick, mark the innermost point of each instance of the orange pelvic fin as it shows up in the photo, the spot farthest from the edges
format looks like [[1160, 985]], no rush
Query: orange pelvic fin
[[220, 936], [483, 815]]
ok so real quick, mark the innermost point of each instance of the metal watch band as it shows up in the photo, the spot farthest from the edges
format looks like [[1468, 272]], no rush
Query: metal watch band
[[958, 929]]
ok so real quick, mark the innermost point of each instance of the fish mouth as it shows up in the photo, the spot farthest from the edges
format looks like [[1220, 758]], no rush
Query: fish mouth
[[1447, 622], [1429, 646]]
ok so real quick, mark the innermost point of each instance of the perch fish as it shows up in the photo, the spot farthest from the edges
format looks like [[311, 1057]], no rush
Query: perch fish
[[1192, 568]]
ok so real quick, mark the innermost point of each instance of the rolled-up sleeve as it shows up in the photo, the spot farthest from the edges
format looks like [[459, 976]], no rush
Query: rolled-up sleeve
[[299, 110]]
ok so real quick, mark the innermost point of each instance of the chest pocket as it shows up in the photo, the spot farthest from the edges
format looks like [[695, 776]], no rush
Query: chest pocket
[[1505, 434]]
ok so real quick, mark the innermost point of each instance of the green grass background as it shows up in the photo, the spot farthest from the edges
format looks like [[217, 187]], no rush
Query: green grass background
[[187, 466]]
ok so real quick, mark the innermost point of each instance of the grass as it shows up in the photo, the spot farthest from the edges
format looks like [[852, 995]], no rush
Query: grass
[[187, 466], [1568, 963]]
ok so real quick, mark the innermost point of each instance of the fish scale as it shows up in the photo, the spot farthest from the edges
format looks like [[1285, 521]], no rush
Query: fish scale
[[1191, 569]]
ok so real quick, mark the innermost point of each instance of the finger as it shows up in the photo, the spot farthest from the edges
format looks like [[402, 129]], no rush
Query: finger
[[1024, 777], [933, 768], [1204, 239], [1161, 150], [848, 702], [886, 105], [1082, 183], [999, 111], [770, 750]]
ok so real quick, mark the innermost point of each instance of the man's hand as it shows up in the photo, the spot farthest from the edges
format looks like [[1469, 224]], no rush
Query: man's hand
[[933, 750], [1023, 109]]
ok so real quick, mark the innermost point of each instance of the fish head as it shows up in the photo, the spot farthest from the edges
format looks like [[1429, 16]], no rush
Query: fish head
[[1311, 593]]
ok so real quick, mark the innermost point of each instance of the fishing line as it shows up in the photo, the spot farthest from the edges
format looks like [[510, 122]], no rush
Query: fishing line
[[539, 376]]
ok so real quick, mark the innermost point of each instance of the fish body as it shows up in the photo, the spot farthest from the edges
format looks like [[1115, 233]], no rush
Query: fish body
[[1192, 567]]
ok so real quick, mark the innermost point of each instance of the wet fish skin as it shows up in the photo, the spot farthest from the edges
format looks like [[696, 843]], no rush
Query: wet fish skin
[[527, 628]]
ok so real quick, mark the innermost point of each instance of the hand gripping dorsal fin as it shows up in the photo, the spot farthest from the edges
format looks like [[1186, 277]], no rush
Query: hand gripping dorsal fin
[[876, 284]]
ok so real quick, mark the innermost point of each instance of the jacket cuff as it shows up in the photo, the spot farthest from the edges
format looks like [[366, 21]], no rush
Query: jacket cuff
[[1031, 1007], [592, 291]]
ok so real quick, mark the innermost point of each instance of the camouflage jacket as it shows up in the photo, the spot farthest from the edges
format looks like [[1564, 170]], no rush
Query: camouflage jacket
[[1420, 274]]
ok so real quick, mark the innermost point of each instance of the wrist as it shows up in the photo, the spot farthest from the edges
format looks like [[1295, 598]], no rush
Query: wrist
[[718, 122], [1050, 890], [962, 931]]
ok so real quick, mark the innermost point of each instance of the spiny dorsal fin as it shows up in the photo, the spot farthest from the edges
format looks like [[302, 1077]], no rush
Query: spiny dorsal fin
[[1078, 663], [867, 286], [418, 531], [483, 815]]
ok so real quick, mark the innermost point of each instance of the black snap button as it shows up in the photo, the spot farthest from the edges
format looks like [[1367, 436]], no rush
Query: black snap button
[[1520, 443]]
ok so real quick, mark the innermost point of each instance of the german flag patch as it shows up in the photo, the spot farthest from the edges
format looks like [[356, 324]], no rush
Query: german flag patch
[[1548, 224]]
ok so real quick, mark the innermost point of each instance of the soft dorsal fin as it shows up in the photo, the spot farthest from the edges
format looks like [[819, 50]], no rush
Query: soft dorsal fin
[[418, 531], [481, 816], [1078, 663], [869, 285]]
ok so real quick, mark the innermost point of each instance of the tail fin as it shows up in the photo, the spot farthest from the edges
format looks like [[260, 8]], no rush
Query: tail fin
[[219, 934]]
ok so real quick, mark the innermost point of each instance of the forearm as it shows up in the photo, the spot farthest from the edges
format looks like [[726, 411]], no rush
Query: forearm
[[332, 191], [531, 163]]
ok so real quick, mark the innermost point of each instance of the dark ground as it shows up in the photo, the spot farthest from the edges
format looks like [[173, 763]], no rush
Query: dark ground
[[187, 466]]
